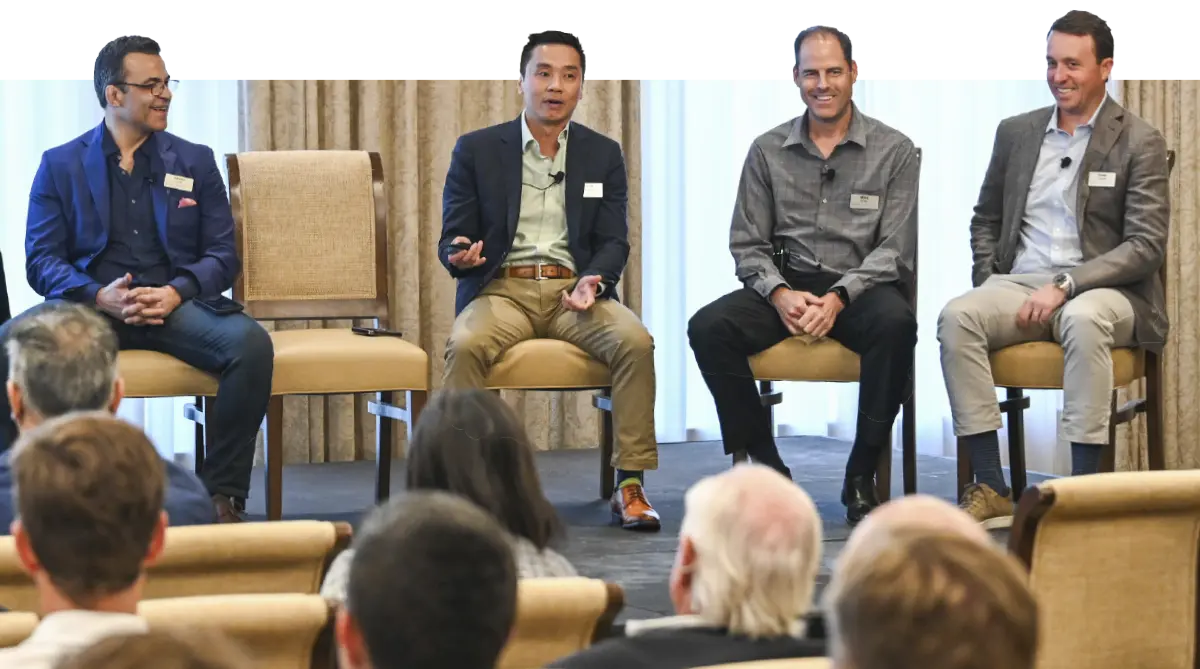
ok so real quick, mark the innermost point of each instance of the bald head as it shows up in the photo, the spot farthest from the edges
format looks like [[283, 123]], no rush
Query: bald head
[[912, 515], [750, 547]]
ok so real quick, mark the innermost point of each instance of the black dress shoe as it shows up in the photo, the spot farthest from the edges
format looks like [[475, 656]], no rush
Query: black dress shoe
[[858, 494]]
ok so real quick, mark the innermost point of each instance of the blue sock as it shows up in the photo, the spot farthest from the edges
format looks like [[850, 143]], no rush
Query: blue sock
[[984, 449], [625, 477], [1085, 458]]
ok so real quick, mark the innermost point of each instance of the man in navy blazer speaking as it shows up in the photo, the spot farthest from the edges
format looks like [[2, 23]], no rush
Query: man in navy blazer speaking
[[534, 229], [136, 222]]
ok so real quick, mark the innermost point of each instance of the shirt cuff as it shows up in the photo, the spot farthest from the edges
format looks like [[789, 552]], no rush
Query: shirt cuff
[[85, 294], [185, 286]]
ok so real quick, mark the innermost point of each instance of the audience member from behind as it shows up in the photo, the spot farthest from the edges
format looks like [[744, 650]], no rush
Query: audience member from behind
[[195, 648], [471, 443], [89, 496], [914, 514], [63, 358], [433, 583], [930, 600], [743, 580]]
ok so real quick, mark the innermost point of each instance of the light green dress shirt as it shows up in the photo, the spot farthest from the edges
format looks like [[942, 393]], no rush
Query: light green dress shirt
[[542, 224]]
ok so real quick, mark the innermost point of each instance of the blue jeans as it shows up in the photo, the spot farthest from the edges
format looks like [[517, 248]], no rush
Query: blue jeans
[[233, 347]]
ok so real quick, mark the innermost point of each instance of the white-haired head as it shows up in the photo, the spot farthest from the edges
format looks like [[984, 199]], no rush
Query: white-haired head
[[749, 550]]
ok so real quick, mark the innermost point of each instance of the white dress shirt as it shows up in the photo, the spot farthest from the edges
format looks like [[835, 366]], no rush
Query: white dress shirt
[[65, 633]]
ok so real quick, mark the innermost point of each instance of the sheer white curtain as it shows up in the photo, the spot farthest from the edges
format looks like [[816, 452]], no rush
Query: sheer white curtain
[[695, 137], [38, 115]]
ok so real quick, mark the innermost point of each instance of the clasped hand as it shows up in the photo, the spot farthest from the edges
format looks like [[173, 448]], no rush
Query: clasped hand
[[137, 306], [805, 313]]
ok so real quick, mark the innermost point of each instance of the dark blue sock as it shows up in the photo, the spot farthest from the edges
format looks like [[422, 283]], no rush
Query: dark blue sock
[[1085, 458], [985, 460]]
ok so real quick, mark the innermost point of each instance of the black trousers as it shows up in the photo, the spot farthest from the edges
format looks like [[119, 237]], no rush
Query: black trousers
[[879, 326]]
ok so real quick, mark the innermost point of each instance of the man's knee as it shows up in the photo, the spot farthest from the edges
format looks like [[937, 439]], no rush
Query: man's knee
[[1084, 326], [634, 339], [958, 319], [706, 324], [897, 323], [254, 344]]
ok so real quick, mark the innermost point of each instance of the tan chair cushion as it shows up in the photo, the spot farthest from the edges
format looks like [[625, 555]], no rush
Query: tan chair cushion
[[806, 359], [336, 361], [278, 630], [16, 626], [152, 374], [547, 364], [1039, 365]]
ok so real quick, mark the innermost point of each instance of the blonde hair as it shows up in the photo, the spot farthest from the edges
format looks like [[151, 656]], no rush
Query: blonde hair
[[928, 600], [757, 538]]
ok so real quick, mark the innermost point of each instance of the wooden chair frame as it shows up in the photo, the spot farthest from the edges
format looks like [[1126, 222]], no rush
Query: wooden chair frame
[[1016, 402], [383, 408], [769, 397]]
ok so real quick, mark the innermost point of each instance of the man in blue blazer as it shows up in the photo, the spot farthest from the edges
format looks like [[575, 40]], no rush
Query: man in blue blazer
[[536, 234], [136, 222]]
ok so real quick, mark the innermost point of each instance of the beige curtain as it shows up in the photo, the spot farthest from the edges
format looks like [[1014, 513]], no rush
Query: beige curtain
[[414, 125], [1174, 108]]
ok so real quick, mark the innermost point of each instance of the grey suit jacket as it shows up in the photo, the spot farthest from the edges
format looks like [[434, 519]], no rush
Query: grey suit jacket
[[1123, 229]]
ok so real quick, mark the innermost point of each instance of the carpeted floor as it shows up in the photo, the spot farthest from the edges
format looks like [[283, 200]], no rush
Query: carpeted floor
[[639, 562]]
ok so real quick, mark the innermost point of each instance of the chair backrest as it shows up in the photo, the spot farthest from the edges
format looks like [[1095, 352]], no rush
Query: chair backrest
[[16, 626], [274, 557], [311, 230], [557, 617], [1123, 547], [280, 631]]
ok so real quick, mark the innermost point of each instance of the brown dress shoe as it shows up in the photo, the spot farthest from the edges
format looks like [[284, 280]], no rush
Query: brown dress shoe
[[227, 510], [632, 510]]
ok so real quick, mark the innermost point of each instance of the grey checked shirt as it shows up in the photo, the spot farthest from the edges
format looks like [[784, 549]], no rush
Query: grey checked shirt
[[854, 214]]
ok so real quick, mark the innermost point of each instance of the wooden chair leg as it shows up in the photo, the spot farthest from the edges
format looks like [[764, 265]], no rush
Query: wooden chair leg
[[1108, 452], [1155, 451], [383, 448], [608, 474], [416, 404], [908, 443], [201, 408], [273, 452], [883, 475], [1015, 407]]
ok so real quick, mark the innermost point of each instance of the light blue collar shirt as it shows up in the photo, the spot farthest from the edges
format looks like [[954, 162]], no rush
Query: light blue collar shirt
[[1050, 234]]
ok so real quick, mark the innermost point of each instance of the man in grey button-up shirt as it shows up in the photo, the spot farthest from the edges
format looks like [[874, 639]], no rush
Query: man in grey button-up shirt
[[836, 190]]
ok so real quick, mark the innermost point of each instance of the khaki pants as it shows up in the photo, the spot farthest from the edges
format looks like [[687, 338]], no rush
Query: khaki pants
[[984, 319], [510, 310]]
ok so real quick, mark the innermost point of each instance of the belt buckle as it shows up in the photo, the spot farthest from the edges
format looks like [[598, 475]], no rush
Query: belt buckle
[[538, 272]]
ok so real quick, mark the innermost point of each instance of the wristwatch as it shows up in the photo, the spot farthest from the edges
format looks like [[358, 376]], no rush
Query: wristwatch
[[1064, 282], [842, 294]]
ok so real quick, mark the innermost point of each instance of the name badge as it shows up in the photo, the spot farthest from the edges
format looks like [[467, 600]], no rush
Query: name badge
[[178, 183], [864, 201], [593, 190], [1102, 179]]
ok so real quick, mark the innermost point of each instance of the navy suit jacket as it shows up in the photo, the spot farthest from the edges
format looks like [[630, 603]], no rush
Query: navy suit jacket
[[482, 200], [5, 314], [69, 210]]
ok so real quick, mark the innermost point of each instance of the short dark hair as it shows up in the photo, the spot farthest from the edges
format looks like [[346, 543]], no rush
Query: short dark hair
[[552, 37], [842, 38], [433, 583], [89, 494], [110, 64], [1086, 24], [472, 444]]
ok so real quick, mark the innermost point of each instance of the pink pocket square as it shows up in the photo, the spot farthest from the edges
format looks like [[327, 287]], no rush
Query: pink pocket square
[[186, 202]]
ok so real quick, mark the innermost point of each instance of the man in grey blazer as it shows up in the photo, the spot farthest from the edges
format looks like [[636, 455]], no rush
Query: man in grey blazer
[[1068, 236]]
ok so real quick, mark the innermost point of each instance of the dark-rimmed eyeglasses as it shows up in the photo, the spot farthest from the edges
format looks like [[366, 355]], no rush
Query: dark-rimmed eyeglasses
[[155, 87]]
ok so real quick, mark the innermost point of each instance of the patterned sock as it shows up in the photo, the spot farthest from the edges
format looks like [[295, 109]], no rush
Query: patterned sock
[[627, 477], [1085, 458]]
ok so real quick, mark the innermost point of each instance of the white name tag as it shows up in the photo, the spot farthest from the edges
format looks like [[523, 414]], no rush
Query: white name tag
[[1102, 179], [593, 190], [864, 201], [178, 183]]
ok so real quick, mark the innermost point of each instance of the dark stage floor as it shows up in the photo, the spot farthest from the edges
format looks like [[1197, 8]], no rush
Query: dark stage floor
[[639, 562]]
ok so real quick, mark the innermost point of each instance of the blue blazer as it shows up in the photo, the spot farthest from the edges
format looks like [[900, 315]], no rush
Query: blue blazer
[[482, 200], [69, 210]]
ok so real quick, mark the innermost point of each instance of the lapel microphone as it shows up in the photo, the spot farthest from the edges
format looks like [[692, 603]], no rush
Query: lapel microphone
[[558, 177], [827, 172], [1065, 162]]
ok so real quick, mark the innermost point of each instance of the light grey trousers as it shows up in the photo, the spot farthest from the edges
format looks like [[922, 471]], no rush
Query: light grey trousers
[[985, 319]]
